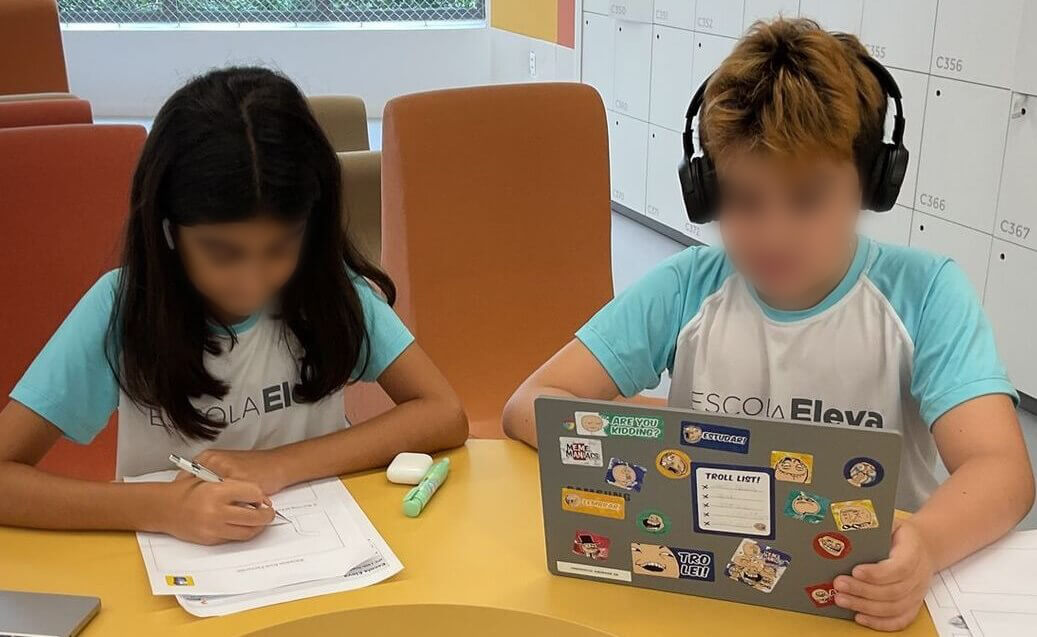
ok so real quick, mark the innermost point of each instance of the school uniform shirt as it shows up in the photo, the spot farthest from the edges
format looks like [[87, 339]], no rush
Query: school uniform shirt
[[71, 384], [900, 341]]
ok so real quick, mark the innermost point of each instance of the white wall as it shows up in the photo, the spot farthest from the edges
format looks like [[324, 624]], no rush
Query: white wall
[[510, 61], [129, 72]]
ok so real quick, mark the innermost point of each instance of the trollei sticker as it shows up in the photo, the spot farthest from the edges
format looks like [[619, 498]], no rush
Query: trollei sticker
[[589, 423], [669, 561], [733, 500], [700, 434], [600, 504]]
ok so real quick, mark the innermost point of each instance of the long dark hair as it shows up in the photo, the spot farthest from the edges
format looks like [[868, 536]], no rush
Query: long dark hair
[[225, 147]]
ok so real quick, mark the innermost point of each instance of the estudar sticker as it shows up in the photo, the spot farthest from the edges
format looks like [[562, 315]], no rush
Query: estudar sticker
[[700, 434]]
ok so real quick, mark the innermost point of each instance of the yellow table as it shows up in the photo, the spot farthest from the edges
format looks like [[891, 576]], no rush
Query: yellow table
[[477, 548]]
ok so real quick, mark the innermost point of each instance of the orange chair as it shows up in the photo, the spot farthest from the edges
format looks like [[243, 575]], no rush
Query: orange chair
[[64, 196], [496, 229], [31, 56], [47, 112]]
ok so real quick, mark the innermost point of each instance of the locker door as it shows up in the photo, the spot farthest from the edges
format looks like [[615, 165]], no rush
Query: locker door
[[976, 41], [663, 199], [630, 93], [1025, 79], [888, 227], [914, 87], [840, 15], [710, 51], [672, 53], [970, 249], [768, 10], [1017, 203], [1011, 306], [632, 10], [899, 33], [721, 17], [599, 54], [628, 148], [596, 6], [962, 147], [675, 13]]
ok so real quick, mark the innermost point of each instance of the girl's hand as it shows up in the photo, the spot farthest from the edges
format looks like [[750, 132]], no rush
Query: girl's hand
[[887, 595], [211, 512], [258, 467]]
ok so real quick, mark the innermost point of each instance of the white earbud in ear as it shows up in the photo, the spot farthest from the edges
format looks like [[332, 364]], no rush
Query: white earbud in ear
[[168, 233]]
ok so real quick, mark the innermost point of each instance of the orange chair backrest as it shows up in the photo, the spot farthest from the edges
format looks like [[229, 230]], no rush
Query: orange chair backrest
[[31, 56], [45, 113], [496, 228], [64, 197]]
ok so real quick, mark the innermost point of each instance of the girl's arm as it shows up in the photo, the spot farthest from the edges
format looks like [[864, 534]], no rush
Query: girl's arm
[[192, 510], [428, 417]]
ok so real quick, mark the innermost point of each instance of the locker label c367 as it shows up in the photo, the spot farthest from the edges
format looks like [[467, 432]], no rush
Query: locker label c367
[[1014, 229]]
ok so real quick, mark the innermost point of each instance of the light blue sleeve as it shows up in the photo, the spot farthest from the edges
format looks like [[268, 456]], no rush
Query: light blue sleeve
[[634, 336], [955, 356], [386, 333], [70, 383]]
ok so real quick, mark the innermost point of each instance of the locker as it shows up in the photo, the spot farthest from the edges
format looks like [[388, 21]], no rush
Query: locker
[[628, 151], [710, 51], [720, 17], [962, 147], [899, 33], [834, 15], [675, 13], [630, 92], [914, 88], [596, 6], [1017, 202], [1011, 306], [768, 10], [672, 53], [632, 10], [970, 249], [976, 41], [1025, 77], [888, 227], [599, 54], [663, 194]]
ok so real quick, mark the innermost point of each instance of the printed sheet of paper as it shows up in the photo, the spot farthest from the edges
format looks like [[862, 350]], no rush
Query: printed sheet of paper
[[382, 566], [322, 541], [734, 500], [946, 616]]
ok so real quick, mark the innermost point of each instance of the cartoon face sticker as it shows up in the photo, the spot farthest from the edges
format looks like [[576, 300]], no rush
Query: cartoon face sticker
[[792, 467], [673, 463], [854, 515], [692, 434], [591, 545], [589, 423], [654, 522], [655, 560], [625, 475], [821, 594], [757, 566], [572, 500], [863, 472], [806, 507], [831, 545]]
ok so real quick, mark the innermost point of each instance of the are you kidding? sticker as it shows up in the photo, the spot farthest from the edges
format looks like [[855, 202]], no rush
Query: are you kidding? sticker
[[590, 423]]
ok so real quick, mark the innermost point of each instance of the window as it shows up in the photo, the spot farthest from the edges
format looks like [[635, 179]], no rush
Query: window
[[279, 11]]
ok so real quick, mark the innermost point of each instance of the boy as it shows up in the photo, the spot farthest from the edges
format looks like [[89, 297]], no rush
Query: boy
[[797, 307]]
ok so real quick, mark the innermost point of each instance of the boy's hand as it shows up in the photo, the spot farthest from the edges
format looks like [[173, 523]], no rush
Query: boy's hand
[[888, 594], [211, 512], [258, 467]]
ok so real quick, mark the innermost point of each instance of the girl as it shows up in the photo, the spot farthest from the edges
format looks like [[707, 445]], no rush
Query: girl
[[238, 316]]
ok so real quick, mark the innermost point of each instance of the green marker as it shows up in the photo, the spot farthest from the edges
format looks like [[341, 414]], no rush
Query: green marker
[[418, 497]]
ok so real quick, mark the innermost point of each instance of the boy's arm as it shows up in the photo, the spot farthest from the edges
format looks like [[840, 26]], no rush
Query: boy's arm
[[573, 371]]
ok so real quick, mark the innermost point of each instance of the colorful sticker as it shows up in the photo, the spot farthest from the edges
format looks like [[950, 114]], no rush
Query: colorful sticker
[[589, 423], [821, 594], [806, 507], [625, 475], [790, 466], [700, 434], [757, 565], [592, 545], [853, 515], [600, 504], [831, 545], [863, 472], [733, 500], [654, 522], [670, 561], [179, 580], [673, 463], [569, 425], [585, 452]]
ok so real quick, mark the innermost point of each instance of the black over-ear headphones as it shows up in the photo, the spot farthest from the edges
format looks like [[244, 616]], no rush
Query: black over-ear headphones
[[881, 181]]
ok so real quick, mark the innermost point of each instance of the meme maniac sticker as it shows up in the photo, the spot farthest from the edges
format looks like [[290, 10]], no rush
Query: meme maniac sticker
[[585, 452], [670, 561], [589, 423]]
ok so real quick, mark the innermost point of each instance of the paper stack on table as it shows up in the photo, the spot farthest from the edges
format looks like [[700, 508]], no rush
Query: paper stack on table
[[328, 546], [992, 593]]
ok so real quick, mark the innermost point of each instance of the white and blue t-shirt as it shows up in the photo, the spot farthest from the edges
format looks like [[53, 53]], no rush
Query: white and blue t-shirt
[[900, 341], [71, 385]]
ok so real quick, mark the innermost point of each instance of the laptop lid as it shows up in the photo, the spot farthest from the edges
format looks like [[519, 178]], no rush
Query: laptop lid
[[45, 615]]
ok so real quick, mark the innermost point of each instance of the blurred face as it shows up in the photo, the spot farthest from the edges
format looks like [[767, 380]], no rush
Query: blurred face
[[788, 226], [239, 267]]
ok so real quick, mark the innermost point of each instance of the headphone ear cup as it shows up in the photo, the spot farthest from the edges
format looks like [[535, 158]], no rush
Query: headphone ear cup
[[887, 177], [698, 187]]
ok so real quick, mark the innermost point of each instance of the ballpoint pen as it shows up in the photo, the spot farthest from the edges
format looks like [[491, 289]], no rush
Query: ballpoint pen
[[208, 475]]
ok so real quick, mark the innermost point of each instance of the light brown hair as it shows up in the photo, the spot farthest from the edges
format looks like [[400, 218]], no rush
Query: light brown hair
[[792, 89]]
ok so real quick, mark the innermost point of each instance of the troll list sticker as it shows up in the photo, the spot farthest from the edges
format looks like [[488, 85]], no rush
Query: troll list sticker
[[733, 500], [700, 434], [585, 452]]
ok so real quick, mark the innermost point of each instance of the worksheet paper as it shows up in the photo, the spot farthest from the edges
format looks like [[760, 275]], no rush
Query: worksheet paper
[[946, 616], [322, 541], [382, 566]]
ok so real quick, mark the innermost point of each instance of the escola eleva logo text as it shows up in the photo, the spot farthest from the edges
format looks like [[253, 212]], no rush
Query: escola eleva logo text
[[801, 409]]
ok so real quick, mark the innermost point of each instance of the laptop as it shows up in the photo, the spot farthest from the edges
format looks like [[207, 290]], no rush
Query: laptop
[[743, 509], [44, 614]]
